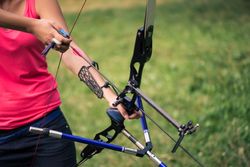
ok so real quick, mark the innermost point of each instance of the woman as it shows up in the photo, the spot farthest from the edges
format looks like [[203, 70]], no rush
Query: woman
[[29, 95]]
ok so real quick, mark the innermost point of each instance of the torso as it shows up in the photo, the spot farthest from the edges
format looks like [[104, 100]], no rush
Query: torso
[[28, 90]]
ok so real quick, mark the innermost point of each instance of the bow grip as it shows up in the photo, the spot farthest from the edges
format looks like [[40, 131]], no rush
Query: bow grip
[[115, 116], [127, 103]]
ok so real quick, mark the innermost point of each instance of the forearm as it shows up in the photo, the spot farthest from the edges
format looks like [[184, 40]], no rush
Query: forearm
[[45, 29], [75, 63], [13, 21]]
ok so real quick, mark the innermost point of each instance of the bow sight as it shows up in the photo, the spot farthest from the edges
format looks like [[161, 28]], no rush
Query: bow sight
[[142, 53]]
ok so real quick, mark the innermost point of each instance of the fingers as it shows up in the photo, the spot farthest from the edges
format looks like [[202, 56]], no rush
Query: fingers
[[134, 115], [62, 43], [56, 41], [123, 112], [61, 47], [61, 40]]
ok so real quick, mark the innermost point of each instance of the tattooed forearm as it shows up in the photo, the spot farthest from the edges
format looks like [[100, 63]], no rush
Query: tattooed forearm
[[85, 76]]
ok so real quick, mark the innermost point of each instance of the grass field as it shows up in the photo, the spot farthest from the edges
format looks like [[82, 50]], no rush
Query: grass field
[[199, 71]]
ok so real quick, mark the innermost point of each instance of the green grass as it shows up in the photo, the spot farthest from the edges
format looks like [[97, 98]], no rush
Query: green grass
[[199, 70]]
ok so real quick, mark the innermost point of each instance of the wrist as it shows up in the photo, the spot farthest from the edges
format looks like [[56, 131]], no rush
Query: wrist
[[30, 25], [110, 96]]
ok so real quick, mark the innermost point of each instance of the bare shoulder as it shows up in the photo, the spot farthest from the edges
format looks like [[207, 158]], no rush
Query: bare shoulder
[[47, 7], [50, 9]]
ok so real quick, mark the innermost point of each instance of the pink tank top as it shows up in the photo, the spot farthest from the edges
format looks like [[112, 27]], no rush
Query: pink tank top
[[27, 90]]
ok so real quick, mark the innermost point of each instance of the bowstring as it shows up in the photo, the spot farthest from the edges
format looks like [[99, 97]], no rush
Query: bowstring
[[71, 30]]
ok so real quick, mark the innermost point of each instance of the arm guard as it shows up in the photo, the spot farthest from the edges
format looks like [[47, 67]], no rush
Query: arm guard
[[89, 80]]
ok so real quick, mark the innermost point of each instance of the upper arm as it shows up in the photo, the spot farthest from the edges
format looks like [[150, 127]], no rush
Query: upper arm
[[50, 9]]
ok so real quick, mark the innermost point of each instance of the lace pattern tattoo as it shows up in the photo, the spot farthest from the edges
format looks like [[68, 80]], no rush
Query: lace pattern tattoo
[[86, 77]]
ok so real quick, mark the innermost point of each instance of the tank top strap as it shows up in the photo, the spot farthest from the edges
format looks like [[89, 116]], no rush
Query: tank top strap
[[30, 9]]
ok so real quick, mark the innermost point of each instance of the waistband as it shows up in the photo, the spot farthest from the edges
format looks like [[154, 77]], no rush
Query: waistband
[[6, 135]]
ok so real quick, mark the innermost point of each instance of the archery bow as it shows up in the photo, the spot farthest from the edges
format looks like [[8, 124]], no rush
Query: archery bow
[[142, 54]]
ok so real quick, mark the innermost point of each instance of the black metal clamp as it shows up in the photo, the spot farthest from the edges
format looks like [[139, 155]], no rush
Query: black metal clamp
[[185, 129]]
